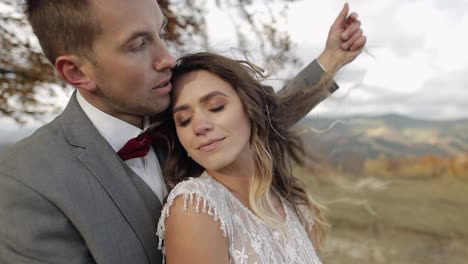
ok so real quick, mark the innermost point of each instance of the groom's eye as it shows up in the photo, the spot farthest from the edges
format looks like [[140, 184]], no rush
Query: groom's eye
[[138, 44]]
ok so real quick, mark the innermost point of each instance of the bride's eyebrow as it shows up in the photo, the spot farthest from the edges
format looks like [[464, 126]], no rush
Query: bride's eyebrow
[[208, 96], [202, 100]]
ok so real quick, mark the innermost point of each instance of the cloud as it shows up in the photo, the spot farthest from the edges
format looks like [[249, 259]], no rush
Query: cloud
[[453, 7], [418, 65], [418, 54]]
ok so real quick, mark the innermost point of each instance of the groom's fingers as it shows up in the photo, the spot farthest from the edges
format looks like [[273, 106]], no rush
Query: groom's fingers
[[350, 30], [355, 36], [351, 18], [340, 20], [359, 43]]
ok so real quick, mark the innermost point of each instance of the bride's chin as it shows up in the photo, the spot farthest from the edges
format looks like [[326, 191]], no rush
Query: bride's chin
[[213, 163]]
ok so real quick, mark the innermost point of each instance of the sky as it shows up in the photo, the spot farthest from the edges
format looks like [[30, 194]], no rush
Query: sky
[[415, 64]]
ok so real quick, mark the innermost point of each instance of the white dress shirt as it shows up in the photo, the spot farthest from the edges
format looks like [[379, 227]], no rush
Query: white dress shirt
[[117, 133]]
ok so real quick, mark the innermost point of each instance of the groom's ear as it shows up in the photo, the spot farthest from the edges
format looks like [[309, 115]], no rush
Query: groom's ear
[[73, 70]]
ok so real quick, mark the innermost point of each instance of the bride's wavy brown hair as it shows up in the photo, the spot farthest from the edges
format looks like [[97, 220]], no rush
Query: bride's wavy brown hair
[[272, 143]]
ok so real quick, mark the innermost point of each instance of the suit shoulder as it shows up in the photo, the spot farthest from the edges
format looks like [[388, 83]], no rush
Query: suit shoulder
[[37, 141], [36, 155]]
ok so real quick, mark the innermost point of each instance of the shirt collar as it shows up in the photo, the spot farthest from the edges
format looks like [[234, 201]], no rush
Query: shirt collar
[[114, 130]]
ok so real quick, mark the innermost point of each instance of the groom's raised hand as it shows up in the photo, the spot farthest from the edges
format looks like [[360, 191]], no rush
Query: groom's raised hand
[[344, 43]]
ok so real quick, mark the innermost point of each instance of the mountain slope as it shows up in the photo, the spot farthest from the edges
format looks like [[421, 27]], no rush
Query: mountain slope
[[349, 142]]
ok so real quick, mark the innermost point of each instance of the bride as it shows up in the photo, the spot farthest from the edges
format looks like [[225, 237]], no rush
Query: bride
[[236, 200]]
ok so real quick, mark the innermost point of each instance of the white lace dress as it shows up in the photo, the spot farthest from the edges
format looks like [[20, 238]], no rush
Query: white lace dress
[[251, 241]]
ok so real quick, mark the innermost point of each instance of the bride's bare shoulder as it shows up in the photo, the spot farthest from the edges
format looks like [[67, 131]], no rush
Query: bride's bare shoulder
[[191, 227]]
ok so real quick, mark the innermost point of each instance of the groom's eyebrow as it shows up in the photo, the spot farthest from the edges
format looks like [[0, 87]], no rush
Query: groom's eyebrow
[[144, 33], [202, 100]]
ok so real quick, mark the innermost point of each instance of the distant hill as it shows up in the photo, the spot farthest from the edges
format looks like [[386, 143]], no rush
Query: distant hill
[[350, 141], [3, 147]]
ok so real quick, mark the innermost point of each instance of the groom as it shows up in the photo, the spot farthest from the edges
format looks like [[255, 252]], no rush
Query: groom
[[65, 195]]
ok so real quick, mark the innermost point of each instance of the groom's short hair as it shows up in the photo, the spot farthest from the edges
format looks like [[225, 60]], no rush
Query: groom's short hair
[[63, 26]]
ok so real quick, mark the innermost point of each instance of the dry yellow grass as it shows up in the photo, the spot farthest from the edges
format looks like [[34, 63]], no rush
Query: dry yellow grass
[[393, 219]]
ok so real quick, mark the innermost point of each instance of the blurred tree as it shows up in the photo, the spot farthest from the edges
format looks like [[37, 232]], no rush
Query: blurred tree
[[26, 77], [28, 83]]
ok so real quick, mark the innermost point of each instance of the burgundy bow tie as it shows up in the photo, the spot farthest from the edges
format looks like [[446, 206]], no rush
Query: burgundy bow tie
[[136, 147]]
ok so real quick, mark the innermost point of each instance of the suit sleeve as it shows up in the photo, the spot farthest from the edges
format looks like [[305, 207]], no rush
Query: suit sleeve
[[303, 93], [34, 230]]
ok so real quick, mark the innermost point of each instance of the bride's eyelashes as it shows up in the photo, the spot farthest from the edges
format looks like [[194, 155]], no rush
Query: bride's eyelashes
[[217, 109], [186, 121]]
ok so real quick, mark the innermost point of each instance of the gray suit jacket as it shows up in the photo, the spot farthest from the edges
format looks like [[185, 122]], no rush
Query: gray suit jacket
[[66, 197]]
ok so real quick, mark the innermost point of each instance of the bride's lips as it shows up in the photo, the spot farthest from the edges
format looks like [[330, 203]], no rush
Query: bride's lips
[[211, 144]]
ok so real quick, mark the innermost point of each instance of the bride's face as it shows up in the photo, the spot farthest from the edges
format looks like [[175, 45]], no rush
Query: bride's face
[[210, 120]]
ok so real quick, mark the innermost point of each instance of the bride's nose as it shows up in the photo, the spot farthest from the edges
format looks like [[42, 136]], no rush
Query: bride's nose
[[202, 125]]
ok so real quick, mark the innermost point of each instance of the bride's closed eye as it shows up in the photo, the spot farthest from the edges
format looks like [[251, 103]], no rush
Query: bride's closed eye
[[182, 119], [217, 108], [216, 104], [184, 122]]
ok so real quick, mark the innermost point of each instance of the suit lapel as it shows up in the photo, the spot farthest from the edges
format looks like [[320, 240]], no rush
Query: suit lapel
[[101, 160]]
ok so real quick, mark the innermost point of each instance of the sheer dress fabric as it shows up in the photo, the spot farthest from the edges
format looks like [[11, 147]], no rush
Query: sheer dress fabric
[[251, 240]]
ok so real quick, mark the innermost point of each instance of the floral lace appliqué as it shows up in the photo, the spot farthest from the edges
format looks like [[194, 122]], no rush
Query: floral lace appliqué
[[251, 241]]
